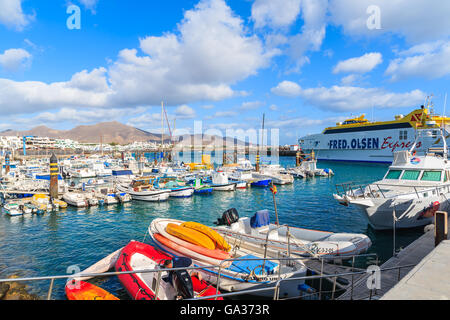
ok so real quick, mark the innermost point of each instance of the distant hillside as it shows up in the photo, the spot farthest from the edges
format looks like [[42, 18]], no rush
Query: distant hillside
[[107, 131], [115, 132]]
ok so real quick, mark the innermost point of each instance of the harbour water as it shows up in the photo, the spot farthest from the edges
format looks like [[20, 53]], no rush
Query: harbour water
[[50, 244]]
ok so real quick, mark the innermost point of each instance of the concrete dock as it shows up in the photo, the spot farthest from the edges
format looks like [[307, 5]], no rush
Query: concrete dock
[[408, 258], [429, 280]]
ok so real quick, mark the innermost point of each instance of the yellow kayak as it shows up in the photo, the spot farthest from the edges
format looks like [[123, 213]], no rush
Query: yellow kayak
[[190, 235], [212, 234], [87, 291]]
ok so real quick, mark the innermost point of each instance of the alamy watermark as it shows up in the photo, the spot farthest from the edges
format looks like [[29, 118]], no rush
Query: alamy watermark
[[74, 20], [374, 20], [374, 279], [238, 143]]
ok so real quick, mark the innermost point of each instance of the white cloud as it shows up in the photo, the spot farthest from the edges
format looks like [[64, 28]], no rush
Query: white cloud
[[350, 79], [416, 20], [209, 52], [346, 98], [361, 64], [314, 13], [428, 60], [287, 89], [275, 14], [273, 107], [185, 112], [250, 105], [89, 4], [12, 16], [83, 90], [13, 59], [208, 107]]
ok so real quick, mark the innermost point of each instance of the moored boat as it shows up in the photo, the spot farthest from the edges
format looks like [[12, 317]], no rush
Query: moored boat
[[257, 232], [246, 269], [145, 193], [149, 286]]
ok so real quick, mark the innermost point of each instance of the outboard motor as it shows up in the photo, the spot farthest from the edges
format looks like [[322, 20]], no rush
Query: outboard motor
[[182, 283], [228, 217]]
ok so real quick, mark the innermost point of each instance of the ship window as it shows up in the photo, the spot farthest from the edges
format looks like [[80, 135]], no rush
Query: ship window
[[393, 174], [403, 135], [411, 175], [432, 176]]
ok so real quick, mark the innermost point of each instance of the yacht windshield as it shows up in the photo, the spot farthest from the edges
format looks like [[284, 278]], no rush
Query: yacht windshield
[[393, 174], [431, 176], [411, 175]]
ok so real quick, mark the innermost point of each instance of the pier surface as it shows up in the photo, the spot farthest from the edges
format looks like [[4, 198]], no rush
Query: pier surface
[[430, 279], [410, 256]]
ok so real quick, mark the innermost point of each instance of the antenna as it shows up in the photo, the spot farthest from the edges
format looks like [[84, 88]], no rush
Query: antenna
[[445, 105]]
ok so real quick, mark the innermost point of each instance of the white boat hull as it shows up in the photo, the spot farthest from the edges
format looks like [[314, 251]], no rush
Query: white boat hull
[[152, 196]]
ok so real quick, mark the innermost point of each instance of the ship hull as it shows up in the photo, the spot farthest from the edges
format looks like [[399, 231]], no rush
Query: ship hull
[[377, 146]]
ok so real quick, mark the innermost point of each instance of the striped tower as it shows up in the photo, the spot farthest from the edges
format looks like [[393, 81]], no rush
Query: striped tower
[[7, 163], [54, 177], [257, 162], [297, 158]]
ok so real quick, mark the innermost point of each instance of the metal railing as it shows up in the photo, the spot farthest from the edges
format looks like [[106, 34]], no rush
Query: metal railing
[[346, 189], [332, 278]]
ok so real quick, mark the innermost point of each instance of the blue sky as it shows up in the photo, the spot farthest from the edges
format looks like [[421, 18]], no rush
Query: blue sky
[[306, 64]]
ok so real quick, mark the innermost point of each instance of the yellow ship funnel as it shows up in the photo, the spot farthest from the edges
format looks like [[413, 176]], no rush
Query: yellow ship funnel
[[206, 159]]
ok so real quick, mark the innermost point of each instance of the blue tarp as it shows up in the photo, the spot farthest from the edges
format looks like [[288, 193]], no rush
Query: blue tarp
[[122, 172], [47, 177], [246, 266], [260, 219]]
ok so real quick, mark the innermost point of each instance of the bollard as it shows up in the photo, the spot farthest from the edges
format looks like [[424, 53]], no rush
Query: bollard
[[54, 177], [440, 227]]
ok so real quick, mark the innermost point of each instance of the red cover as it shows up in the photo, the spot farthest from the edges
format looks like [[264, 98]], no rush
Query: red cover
[[138, 289]]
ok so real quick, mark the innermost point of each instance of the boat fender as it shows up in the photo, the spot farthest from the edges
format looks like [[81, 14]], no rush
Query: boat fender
[[182, 283]]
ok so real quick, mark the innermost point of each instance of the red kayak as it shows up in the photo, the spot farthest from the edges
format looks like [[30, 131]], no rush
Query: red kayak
[[143, 286]]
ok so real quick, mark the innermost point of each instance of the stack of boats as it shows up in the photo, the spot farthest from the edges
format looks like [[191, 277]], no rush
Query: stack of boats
[[230, 267], [240, 254]]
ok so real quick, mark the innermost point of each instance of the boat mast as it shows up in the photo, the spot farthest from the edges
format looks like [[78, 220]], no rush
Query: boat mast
[[162, 129]]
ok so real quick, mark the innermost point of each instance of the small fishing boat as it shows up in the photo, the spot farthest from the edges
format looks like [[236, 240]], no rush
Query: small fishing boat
[[200, 188], [257, 232], [246, 269], [12, 209], [261, 183], [240, 184], [75, 199], [145, 192], [150, 285], [123, 197], [81, 290], [177, 190], [275, 173], [296, 172], [220, 182]]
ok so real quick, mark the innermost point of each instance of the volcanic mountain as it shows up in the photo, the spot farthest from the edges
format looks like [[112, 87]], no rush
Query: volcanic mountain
[[107, 132]]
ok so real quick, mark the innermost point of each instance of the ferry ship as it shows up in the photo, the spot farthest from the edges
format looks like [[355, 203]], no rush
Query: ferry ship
[[360, 140]]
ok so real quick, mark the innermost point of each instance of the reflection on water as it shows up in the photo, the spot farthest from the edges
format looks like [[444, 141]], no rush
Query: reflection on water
[[48, 244]]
